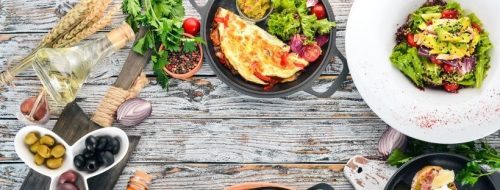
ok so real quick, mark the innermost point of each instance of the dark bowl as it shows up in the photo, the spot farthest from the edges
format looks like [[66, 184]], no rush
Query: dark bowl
[[403, 178]]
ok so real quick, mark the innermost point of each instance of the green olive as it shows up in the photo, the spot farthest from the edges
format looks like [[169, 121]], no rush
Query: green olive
[[39, 160], [54, 163], [58, 151], [31, 138], [47, 140], [44, 151], [34, 147]]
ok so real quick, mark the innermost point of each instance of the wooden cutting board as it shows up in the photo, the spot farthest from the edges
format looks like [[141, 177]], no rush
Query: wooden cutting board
[[73, 124]]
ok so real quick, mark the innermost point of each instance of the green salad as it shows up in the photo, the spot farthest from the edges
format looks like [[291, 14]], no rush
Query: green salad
[[443, 46]]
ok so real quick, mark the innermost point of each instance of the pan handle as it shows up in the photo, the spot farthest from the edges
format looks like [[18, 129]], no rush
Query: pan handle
[[200, 9], [321, 186], [337, 83]]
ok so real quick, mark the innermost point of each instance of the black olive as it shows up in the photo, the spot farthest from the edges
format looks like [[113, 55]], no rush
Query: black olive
[[113, 145], [101, 143], [109, 143], [91, 165], [91, 143], [106, 158], [88, 154], [116, 146], [79, 162]]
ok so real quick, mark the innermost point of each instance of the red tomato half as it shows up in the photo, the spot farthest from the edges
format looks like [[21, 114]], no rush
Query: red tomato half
[[477, 27], [451, 87], [319, 10], [436, 61], [411, 40], [191, 26], [448, 68], [311, 52], [450, 14]]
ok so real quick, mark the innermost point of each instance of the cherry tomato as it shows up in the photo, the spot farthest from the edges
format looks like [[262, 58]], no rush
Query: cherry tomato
[[311, 52], [450, 14], [191, 26], [411, 40], [262, 77], [477, 27], [436, 61], [319, 10], [448, 68], [451, 87]]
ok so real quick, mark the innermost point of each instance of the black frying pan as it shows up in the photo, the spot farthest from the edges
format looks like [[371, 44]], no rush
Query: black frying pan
[[303, 83], [402, 179]]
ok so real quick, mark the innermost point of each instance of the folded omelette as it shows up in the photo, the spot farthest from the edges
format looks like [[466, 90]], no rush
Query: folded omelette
[[255, 54]]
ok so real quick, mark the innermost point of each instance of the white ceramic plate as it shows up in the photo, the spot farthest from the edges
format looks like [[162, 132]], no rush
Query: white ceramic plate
[[430, 115], [28, 158]]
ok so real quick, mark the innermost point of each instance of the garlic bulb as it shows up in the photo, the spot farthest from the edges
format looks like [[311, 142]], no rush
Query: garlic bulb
[[133, 112]]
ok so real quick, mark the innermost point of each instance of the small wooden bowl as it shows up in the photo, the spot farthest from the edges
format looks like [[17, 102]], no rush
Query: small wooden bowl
[[190, 73]]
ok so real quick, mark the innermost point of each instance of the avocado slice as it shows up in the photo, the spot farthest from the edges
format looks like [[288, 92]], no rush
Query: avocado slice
[[431, 16]]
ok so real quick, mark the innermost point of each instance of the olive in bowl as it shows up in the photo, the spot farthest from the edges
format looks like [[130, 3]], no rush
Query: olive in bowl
[[99, 151]]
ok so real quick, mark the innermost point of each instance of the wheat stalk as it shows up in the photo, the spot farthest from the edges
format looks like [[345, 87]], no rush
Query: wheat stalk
[[93, 28], [97, 10], [69, 21]]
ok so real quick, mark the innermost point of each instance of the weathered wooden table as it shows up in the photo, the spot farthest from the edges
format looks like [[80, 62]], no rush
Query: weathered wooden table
[[202, 134]]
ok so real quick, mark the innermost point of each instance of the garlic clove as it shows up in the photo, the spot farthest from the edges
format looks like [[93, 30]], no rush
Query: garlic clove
[[40, 116]]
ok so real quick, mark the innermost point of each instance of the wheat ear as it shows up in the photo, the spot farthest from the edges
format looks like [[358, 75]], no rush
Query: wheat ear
[[98, 9], [70, 20], [105, 21]]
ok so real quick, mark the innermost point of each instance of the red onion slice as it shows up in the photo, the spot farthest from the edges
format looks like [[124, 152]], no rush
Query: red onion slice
[[390, 140]]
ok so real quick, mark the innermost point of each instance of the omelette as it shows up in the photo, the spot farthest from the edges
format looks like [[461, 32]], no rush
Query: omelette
[[256, 55]]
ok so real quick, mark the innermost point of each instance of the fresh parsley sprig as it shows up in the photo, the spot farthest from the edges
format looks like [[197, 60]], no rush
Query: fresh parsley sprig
[[190, 44], [163, 19], [484, 155]]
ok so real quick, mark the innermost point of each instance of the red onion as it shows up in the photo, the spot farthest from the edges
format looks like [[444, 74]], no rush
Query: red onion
[[297, 44], [322, 40], [133, 112], [390, 140], [311, 3]]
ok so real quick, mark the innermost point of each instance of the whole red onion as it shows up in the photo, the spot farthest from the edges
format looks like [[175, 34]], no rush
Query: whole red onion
[[390, 140], [133, 112]]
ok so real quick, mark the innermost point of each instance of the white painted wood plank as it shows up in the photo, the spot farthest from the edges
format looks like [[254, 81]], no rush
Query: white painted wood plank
[[208, 97], [210, 176]]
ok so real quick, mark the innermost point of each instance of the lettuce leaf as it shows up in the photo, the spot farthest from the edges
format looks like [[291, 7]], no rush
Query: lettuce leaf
[[483, 58], [406, 59], [292, 17]]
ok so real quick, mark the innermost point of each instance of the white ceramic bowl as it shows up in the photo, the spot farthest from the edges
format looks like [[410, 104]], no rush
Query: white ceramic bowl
[[71, 151], [430, 115]]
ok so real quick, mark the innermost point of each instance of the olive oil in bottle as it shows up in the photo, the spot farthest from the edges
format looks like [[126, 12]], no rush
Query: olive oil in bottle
[[63, 71]]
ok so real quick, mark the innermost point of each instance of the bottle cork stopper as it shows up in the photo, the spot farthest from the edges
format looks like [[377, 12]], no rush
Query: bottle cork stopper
[[121, 36]]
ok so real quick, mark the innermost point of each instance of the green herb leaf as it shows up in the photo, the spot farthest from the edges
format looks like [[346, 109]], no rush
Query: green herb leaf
[[139, 46], [398, 158], [163, 18]]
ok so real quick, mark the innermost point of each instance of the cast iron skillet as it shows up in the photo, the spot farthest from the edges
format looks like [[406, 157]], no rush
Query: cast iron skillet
[[303, 83], [402, 179]]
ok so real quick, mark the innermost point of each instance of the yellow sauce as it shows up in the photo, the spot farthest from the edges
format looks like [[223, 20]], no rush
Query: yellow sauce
[[254, 9]]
